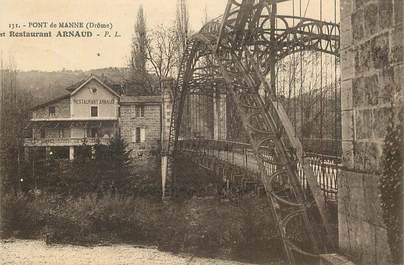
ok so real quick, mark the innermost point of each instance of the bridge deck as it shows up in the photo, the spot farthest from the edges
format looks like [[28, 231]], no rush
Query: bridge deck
[[326, 168]]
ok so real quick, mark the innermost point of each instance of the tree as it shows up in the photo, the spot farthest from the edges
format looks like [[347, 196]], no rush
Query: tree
[[112, 166], [182, 25], [205, 18], [182, 31], [162, 51], [157, 54], [99, 168], [119, 156], [137, 64], [11, 125]]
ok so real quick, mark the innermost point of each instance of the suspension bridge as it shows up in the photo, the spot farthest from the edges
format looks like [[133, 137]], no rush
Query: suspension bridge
[[257, 102]]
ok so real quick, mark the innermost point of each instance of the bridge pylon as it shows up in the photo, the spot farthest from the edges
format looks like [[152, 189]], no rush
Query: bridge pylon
[[239, 51]]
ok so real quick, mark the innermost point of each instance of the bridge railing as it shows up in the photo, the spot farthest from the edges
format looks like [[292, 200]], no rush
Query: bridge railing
[[326, 168]]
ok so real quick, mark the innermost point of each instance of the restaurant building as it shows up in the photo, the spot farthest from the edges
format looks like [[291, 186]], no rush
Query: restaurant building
[[89, 113]]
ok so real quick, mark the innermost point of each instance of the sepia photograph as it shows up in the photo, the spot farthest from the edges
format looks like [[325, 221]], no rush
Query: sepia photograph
[[201, 132]]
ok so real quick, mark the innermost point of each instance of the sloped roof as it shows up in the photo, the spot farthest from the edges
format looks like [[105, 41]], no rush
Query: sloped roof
[[76, 85], [93, 77], [140, 99], [67, 92], [60, 96]]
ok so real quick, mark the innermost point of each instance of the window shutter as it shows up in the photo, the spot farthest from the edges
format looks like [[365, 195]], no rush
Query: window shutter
[[137, 135], [137, 113], [142, 135], [141, 111], [134, 135]]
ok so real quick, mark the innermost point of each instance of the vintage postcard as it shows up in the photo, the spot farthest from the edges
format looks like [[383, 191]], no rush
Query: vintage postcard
[[201, 132]]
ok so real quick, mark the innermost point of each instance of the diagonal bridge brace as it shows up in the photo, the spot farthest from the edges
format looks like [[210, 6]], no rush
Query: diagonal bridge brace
[[265, 121], [272, 120]]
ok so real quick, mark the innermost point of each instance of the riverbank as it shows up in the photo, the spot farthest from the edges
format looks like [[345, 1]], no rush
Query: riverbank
[[24, 252]]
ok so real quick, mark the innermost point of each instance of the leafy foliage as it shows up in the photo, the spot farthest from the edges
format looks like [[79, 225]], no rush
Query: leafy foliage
[[391, 192], [139, 42], [203, 227], [96, 169], [103, 168], [139, 79]]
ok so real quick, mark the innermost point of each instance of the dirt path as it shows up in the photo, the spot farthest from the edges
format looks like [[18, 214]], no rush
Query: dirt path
[[28, 252]]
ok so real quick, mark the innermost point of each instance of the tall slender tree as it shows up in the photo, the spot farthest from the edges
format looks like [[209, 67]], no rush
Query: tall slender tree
[[156, 54], [182, 28], [8, 113], [205, 18], [182, 33], [138, 60], [182, 23]]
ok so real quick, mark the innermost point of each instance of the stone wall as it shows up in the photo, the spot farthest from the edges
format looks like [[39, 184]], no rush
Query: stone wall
[[151, 122], [371, 73]]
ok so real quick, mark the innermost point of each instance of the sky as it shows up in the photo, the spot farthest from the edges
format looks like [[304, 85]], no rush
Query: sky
[[54, 54]]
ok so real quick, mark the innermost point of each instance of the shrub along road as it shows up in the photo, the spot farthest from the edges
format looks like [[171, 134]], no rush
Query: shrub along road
[[23, 252]]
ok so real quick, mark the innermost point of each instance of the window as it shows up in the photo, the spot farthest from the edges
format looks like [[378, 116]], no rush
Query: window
[[94, 111], [61, 133], [52, 111], [43, 133], [139, 111], [93, 132], [139, 135]]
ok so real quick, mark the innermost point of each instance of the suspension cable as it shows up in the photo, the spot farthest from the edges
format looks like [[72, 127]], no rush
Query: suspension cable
[[321, 86], [294, 76], [301, 82], [336, 143], [305, 11]]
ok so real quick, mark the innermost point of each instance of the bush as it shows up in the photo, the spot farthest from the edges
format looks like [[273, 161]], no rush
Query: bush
[[23, 216], [203, 227], [212, 228], [259, 236], [84, 176], [111, 218], [87, 219], [190, 182], [26, 215]]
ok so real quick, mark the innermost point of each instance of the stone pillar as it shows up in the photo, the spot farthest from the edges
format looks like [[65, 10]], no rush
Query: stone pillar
[[216, 113], [164, 170], [71, 152], [166, 111], [371, 69], [219, 116], [222, 106]]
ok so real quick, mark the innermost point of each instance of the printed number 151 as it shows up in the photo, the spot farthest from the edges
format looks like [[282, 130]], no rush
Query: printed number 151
[[13, 26]]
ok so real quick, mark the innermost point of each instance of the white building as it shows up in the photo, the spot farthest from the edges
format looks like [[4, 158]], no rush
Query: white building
[[88, 113]]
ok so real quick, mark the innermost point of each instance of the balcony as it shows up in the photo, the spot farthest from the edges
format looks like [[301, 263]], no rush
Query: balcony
[[64, 141]]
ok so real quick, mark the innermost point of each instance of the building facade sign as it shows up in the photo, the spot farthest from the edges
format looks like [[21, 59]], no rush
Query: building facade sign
[[94, 101], [94, 95]]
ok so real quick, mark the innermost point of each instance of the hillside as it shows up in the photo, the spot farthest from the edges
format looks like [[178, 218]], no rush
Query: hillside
[[47, 85]]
